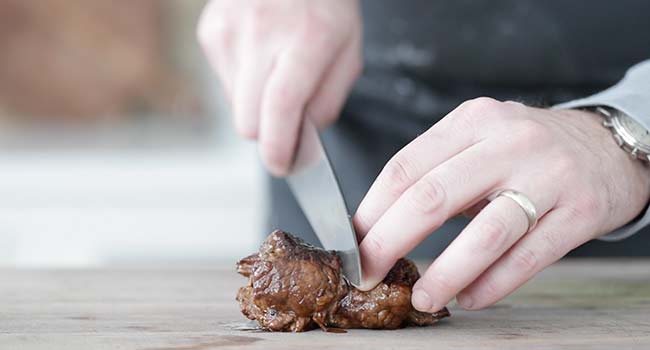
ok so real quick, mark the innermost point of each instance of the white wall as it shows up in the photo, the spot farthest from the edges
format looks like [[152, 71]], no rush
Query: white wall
[[80, 209]]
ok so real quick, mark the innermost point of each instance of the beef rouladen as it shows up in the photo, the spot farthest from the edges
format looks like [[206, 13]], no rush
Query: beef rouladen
[[294, 286]]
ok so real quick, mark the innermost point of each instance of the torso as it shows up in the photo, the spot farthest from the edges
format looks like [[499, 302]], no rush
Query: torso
[[427, 56]]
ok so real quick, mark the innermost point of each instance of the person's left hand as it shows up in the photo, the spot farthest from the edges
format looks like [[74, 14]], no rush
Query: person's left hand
[[582, 184]]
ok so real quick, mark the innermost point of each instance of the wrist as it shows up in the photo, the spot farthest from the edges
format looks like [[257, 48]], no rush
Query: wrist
[[628, 178]]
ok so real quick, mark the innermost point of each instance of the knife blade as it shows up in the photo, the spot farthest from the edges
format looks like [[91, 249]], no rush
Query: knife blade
[[315, 186]]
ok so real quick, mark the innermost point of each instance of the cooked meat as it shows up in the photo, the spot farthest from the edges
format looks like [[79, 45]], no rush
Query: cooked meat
[[293, 286]]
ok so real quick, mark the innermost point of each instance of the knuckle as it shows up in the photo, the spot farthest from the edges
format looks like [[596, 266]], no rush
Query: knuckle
[[563, 164], [397, 174], [319, 30], [493, 235], [318, 21], [202, 32], [485, 103], [215, 34], [524, 259], [426, 196], [516, 104], [529, 130], [514, 108], [260, 20], [203, 25], [474, 113], [461, 123], [482, 106]]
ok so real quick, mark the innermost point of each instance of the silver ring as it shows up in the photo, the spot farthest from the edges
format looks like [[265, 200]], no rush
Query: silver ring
[[524, 203]]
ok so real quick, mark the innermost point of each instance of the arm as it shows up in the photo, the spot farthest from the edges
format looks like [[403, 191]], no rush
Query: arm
[[565, 162]]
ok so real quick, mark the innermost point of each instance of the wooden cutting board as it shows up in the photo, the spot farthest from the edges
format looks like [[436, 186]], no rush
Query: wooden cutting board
[[576, 304]]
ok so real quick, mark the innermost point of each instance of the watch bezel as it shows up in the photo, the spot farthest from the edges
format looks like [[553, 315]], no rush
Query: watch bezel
[[624, 138], [627, 137]]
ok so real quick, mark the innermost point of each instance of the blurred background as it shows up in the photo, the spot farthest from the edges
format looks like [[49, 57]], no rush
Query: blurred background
[[115, 146]]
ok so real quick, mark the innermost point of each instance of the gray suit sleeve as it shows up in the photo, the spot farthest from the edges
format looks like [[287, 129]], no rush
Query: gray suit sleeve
[[632, 96]]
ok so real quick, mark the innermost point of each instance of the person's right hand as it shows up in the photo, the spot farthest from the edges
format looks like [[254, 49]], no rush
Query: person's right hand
[[280, 60]]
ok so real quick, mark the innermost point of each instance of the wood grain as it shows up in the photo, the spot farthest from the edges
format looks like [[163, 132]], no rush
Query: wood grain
[[576, 304]]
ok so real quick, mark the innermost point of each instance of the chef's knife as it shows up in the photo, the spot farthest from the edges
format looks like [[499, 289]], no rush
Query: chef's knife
[[314, 184]]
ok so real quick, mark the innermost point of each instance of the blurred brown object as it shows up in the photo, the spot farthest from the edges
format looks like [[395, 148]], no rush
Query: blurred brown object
[[86, 59]]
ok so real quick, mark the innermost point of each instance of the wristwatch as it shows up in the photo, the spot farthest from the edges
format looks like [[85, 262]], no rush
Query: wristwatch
[[633, 137]]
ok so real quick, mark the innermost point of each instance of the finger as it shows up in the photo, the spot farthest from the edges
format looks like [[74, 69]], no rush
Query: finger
[[250, 81], [426, 205], [494, 230], [556, 235], [218, 38], [423, 154], [327, 102], [256, 62], [292, 83]]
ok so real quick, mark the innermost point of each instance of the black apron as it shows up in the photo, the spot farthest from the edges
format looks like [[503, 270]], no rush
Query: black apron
[[424, 57]]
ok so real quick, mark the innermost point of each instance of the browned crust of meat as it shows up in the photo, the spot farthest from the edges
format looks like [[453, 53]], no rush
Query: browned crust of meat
[[294, 286]]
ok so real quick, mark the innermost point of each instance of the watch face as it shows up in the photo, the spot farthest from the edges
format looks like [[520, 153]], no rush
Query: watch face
[[636, 130]]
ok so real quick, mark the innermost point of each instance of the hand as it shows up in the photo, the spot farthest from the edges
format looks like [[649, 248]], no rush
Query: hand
[[280, 60], [582, 184]]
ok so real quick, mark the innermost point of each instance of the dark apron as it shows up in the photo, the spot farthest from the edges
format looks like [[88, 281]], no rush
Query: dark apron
[[424, 57]]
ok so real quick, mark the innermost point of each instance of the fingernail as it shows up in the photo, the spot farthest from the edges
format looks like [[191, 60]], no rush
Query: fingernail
[[367, 285], [466, 302], [276, 170], [421, 300]]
